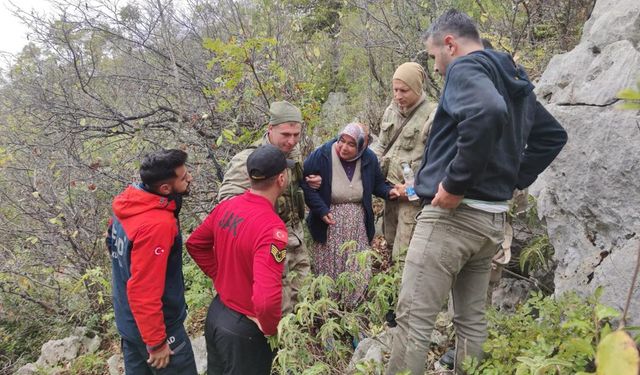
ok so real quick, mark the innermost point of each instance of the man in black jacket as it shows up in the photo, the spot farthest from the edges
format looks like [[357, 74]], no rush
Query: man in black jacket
[[489, 136]]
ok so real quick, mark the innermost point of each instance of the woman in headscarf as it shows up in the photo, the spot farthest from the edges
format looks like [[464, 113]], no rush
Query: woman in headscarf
[[404, 130], [341, 209]]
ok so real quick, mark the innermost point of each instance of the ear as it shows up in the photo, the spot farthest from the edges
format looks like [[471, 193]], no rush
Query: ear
[[164, 189], [282, 178], [450, 44], [269, 128]]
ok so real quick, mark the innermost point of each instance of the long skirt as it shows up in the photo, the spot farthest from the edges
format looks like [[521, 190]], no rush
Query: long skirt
[[345, 239]]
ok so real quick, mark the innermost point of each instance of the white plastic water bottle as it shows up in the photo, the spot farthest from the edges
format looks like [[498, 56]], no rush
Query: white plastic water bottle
[[407, 173]]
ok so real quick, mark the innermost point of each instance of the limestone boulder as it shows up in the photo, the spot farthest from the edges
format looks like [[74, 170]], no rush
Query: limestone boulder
[[371, 349], [200, 353], [115, 364], [590, 196], [54, 352]]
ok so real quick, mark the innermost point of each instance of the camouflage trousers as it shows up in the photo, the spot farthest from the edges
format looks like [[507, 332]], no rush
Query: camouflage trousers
[[298, 266], [398, 223]]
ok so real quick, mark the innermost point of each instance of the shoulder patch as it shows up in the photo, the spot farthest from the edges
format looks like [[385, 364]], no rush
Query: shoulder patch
[[280, 235], [278, 254]]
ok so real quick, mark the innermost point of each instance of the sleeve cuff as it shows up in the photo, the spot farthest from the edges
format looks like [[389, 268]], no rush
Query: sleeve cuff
[[156, 348], [453, 188]]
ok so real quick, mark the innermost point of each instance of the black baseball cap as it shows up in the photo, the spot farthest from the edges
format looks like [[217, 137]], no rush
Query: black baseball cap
[[267, 161]]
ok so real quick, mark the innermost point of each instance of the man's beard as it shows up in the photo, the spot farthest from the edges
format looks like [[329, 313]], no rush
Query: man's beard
[[186, 191], [173, 195]]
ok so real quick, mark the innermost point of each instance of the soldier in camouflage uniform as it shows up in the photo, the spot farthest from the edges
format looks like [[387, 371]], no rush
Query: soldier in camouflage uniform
[[285, 127], [403, 134]]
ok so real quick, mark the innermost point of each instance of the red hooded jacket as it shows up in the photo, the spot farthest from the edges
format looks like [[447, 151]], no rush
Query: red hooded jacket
[[146, 249]]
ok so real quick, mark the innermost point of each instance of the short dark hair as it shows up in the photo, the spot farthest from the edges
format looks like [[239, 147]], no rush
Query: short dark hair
[[160, 166], [452, 22], [264, 184]]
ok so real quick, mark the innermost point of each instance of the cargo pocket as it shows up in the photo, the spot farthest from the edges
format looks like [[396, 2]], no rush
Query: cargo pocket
[[408, 138]]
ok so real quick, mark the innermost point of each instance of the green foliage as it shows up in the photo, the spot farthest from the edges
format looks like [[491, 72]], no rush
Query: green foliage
[[88, 364], [19, 337], [536, 255], [545, 336], [319, 337], [631, 98], [198, 287]]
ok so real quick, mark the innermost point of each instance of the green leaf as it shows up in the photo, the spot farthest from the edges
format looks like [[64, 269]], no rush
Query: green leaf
[[628, 105], [605, 312], [629, 94]]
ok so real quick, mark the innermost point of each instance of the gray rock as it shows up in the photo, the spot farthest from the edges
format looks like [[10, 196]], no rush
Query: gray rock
[[200, 352], [81, 341], [28, 369], [371, 348], [594, 78], [89, 341], [59, 351], [116, 364], [591, 201], [509, 294], [590, 196], [611, 21]]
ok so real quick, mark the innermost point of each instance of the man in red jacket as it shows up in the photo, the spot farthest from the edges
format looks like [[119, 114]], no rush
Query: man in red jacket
[[146, 255], [241, 246]]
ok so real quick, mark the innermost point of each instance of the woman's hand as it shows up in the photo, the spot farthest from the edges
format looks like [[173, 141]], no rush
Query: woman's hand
[[314, 181], [394, 193], [328, 219]]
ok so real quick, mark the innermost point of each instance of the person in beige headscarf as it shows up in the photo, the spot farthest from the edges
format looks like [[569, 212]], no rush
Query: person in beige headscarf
[[403, 134]]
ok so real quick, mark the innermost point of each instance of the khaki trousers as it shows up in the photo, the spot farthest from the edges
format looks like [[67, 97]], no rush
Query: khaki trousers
[[399, 219], [297, 267], [451, 250]]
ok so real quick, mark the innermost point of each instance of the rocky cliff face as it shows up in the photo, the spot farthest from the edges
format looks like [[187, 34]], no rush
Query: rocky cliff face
[[590, 196]]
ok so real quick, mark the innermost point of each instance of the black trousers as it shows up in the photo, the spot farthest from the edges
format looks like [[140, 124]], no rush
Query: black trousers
[[235, 344]]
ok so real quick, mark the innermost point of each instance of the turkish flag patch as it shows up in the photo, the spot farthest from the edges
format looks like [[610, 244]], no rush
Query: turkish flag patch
[[278, 254], [281, 235]]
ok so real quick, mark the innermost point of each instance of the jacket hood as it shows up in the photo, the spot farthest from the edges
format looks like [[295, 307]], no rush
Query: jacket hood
[[135, 200], [514, 77]]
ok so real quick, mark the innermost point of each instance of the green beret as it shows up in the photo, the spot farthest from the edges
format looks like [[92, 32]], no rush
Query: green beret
[[281, 112]]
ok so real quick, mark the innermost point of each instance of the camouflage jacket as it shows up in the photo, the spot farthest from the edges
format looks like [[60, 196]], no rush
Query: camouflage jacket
[[290, 204], [409, 146]]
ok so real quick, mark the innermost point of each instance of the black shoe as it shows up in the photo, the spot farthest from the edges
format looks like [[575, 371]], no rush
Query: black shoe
[[390, 317], [448, 360]]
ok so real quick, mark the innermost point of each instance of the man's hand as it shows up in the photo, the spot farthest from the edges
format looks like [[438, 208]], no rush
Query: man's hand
[[160, 359], [314, 181], [443, 199], [328, 218]]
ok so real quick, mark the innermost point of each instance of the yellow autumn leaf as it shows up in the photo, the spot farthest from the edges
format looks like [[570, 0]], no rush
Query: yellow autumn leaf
[[617, 355]]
